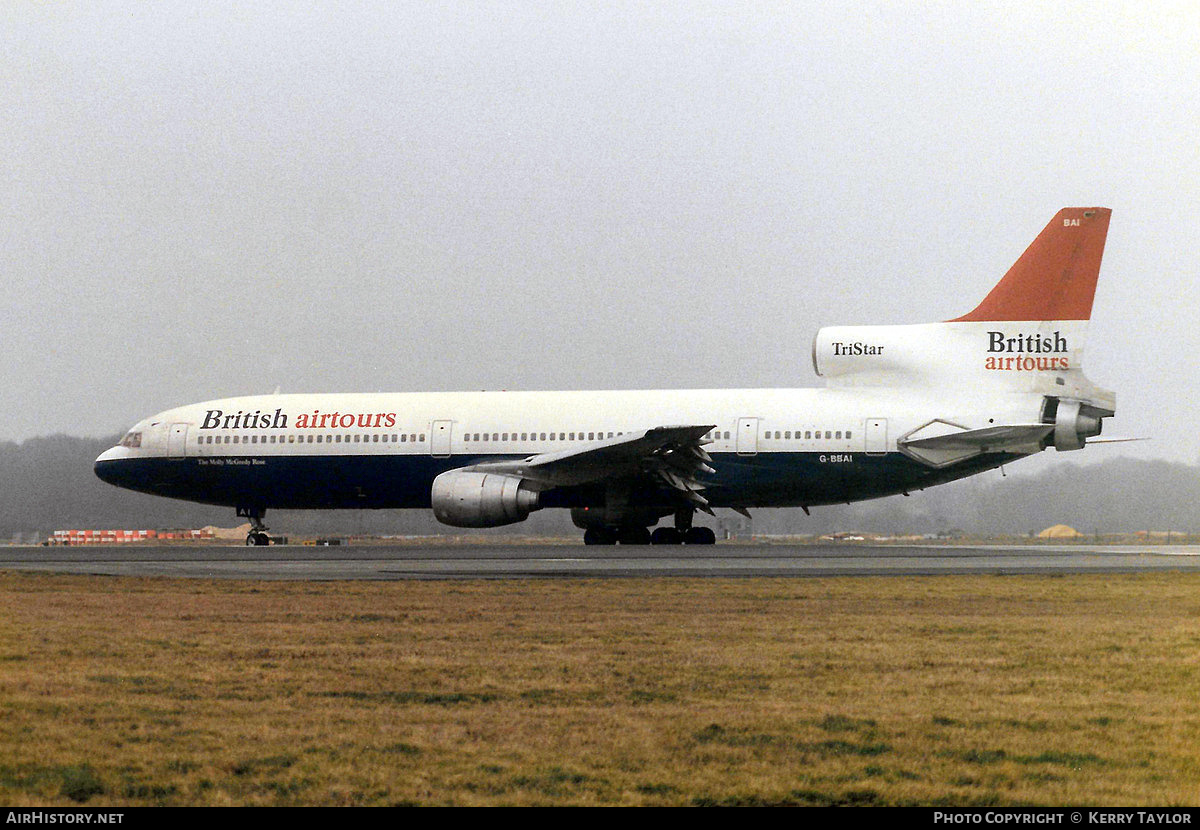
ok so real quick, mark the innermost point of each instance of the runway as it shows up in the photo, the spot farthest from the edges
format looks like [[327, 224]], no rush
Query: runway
[[378, 562]]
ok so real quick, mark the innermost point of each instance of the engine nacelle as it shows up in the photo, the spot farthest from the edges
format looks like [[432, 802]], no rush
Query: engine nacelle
[[466, 498], [849, 355], [1074, 422]]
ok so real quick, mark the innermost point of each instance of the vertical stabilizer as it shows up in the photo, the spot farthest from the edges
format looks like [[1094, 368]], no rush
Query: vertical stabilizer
[[1055, 279], [1028, 334]]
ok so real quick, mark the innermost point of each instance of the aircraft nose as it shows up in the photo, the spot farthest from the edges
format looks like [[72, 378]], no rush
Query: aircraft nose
[[108, 465]]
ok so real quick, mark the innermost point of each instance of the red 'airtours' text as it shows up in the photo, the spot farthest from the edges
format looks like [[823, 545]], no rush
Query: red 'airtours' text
[[1028, 364], [345, 420]]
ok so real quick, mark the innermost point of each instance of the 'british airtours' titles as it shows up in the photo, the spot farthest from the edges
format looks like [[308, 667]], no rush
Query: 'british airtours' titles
[[217, 419], [1017, 353]]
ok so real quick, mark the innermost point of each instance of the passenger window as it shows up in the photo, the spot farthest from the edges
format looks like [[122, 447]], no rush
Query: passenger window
[[838, 434], [828, 435], [319, 437], [848, 435], [422, 437], [403, 437]]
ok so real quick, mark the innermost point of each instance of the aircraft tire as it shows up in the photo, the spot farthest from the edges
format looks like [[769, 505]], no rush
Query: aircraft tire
[[700, 536], [599, 536], [666, 536]]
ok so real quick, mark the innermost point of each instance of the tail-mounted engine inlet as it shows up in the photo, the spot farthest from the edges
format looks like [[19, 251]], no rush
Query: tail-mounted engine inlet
[[1074, 422]]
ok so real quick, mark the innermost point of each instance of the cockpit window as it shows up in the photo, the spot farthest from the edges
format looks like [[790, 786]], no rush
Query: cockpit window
[[132, 440]]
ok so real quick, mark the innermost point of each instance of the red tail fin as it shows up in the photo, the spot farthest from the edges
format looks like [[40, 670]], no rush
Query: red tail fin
[[1055, 279]]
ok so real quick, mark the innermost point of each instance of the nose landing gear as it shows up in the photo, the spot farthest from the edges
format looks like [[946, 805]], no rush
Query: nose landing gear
[[258, 530]]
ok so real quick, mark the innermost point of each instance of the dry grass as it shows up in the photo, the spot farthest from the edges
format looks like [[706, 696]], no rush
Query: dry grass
[[951, 690]]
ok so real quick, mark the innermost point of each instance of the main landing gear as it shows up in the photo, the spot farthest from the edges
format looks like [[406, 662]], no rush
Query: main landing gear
[[683, 533], [258, 530], [675, 536]]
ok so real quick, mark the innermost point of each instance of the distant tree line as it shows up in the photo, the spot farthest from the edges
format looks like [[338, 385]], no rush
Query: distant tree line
[[47, 484]]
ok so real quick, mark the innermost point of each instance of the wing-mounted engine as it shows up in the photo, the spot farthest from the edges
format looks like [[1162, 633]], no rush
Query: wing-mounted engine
[[468, 498]]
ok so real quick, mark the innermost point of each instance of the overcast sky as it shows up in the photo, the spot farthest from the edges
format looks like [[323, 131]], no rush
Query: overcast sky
[[213, 199]]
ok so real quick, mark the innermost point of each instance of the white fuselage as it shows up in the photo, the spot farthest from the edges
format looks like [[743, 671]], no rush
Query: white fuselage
[[770, 447]]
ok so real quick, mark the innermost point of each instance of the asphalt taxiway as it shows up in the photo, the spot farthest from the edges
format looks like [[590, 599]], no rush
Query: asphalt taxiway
[[378, 562]]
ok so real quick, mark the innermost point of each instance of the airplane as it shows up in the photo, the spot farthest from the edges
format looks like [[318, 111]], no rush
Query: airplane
[[904, 407]]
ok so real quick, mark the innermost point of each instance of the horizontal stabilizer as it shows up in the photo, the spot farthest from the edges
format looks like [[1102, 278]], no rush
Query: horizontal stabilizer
[[940, 443], [989, 438]]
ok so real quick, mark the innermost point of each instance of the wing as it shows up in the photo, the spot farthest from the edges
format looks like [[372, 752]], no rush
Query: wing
[[672, 455]]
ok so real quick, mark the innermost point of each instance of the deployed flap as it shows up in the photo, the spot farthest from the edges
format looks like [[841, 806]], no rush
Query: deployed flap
[[673, 454], [940, 443]]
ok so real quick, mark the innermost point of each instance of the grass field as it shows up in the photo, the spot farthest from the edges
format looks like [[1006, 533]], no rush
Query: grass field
[[951, 690]]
